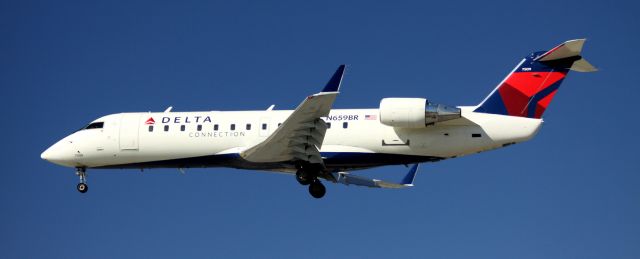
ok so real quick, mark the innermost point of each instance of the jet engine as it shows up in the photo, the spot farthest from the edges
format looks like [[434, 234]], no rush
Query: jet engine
[[414, 112]]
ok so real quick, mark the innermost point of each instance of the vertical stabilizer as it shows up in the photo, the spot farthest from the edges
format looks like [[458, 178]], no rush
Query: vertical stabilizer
[[528, 90]]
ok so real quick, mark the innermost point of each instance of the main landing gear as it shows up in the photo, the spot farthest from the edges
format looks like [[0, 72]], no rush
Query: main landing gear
[[304, 177], [316, 188], [82, 173]]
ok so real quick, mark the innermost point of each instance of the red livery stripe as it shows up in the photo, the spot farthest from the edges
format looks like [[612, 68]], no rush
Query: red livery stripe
[[519, 89]]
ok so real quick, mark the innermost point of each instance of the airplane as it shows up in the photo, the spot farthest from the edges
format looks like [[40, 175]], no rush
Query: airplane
[[315, 142]]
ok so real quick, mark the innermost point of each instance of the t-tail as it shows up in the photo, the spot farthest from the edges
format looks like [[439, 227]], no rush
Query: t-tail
[[530, 87]]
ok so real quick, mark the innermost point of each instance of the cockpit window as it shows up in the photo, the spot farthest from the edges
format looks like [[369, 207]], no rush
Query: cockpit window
[[95, 125]]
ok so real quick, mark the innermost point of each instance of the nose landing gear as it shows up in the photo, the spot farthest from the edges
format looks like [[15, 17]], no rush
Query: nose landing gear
[[82, 187]]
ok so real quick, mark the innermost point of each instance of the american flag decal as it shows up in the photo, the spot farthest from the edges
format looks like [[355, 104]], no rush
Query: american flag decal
[[370, 117]]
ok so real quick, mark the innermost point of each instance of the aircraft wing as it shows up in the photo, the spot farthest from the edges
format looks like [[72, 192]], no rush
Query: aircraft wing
[[350, 179], [300, 136]]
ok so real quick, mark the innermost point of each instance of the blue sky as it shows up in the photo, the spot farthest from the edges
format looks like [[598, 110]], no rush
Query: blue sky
[[572, 192]]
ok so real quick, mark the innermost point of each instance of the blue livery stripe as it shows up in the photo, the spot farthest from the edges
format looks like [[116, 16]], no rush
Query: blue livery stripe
[[334, 161]]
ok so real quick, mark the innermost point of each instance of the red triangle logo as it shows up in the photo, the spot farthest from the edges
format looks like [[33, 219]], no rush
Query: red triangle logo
[[150, 121]]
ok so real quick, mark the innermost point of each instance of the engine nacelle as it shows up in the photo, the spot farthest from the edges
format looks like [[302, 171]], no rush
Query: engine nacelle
[[414, 112]]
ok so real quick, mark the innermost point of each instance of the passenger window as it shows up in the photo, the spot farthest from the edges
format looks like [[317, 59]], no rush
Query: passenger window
[[248, 126], [95, 125], [150, 128], [182, 127], [264, 126], [199, 127], [166, 127], [328, 125], [233, 127], [345, 125], [215, 127]]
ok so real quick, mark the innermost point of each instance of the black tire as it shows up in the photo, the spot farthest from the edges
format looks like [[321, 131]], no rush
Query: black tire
[[317, 189], [303, 178], [82, 187]]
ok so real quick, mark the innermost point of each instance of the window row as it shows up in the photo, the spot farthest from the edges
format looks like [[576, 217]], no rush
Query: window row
[[344, 125], [216, 127]]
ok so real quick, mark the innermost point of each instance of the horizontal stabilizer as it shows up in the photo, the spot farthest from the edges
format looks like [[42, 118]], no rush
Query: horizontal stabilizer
[[570, 53], [565, 50], [348, 179], [582, 65]]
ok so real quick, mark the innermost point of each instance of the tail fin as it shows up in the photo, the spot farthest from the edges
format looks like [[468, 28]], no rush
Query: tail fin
[[529, 88]]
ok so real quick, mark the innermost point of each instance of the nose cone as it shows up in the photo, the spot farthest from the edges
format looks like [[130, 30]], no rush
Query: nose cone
[[59, 154], [46, 155], [53, 154]]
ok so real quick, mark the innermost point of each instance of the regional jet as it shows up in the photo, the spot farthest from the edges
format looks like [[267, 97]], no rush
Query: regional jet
[[316, 143]]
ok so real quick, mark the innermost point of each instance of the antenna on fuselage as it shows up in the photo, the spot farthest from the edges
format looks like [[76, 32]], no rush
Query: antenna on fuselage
[[271, 107], [168, 109]]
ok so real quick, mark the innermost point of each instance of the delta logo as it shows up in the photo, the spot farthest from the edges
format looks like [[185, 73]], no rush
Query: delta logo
[[150, 121]]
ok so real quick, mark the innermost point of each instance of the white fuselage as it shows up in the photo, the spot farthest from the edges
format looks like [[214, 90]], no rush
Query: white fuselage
[[356, 139]]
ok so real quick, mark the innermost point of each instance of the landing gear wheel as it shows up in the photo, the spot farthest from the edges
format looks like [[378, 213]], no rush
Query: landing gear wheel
[[303, 177], [82, 187], [317, 190]]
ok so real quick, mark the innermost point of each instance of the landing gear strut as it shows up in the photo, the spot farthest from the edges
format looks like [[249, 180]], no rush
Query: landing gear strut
[[82, 173]]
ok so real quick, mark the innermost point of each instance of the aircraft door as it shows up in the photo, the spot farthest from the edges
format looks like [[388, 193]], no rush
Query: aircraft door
[[129, 131]]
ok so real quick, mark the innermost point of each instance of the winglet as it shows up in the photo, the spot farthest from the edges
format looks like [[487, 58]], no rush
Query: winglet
[[334, 83], [408, 179]]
